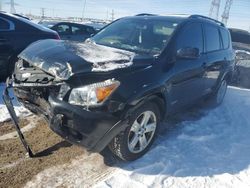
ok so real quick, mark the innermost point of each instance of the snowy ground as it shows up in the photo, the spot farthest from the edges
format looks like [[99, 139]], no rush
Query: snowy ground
[[212, 151], [201, 148], [4, 115]]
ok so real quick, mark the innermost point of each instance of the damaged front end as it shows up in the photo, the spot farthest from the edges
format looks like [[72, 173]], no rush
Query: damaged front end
[[32, 87], [46, 82]]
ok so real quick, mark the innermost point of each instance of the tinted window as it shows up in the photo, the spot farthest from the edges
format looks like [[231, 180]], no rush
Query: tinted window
[[212, 38], [82, 30], [4, 25], [90, 30], [63, 29], [240, 36], [77, 30], [191, 37], [225, 38]]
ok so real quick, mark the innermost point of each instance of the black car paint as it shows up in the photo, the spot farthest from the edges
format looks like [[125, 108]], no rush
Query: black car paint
[[169, 81], [13, 41]]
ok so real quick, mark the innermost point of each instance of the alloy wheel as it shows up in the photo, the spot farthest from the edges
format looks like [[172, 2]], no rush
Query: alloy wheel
[[142, 131]]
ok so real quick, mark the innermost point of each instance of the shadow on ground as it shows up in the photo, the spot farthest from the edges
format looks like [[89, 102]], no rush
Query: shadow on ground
[[203, 141]]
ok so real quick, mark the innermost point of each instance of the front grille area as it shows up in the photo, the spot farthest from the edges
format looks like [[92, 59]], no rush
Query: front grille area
[[25, 73], [33, 86]]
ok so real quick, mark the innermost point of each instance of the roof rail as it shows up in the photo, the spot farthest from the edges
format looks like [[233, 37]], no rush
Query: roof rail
[[205, 17], [146, 14]]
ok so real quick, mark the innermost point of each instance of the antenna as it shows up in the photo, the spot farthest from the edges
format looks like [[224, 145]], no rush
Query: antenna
[[12, 7], [225, 14], [214, 9]]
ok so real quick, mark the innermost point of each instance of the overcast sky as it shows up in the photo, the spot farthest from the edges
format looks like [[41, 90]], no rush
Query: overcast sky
[[239, 14]]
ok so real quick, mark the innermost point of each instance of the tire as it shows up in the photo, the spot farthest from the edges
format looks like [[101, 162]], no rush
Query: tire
[[220, 93], [137, 139]]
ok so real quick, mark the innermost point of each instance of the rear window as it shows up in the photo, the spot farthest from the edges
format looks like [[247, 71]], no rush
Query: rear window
[[225, 38], [34, 25], [212, 38]]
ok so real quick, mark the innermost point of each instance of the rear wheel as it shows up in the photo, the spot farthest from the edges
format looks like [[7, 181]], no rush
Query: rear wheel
[[136, 140], [219, 95]]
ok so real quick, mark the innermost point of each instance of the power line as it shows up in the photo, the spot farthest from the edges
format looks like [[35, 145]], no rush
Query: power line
[[225, 15], [214, 9]]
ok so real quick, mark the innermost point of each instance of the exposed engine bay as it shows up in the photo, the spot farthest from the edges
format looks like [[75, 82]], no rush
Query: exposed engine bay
[[33, 86]]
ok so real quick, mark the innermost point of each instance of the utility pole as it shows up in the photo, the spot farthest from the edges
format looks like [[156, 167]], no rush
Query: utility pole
[[43, 13], [107, 16], [0, 5], [12, 7], [214, 9], [225, 14], [83, 10], [113, 15]]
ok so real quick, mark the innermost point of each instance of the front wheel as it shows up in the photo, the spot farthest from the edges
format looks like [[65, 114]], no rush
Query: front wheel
[[136, 140]]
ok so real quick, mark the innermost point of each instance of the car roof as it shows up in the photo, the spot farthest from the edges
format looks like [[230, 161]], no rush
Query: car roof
[[177, 18], [26, 21], [65, 22]]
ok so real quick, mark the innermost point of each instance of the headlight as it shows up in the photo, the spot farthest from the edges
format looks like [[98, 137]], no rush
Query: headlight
[[94, 94]]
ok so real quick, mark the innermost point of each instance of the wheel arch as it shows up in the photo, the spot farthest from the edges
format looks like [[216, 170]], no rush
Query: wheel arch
[[157, 98]]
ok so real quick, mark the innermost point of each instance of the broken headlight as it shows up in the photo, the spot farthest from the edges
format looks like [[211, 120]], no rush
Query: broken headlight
[[94, 94]]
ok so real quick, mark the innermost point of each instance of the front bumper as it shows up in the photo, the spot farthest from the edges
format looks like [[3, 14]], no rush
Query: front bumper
[[93, 130]]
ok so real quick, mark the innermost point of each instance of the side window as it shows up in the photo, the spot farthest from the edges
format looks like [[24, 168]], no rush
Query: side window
[[212, 36], [77, 30], [90, 30], [4, 25], [63, 29], [191, 37], [225, 38], [81, 30]]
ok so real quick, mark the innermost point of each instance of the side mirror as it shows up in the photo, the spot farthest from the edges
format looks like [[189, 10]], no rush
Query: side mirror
[[188, 53]]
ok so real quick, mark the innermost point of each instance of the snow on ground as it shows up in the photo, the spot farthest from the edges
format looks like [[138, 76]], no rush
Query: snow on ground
[[4, 114], [242, 51], [208, 147]]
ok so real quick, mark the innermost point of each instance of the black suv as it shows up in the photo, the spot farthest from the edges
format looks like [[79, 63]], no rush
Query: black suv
[[115, 89], [16, 33]]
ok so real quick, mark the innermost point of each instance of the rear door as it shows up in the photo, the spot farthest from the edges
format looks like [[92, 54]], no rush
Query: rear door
[[216, 55], [187, 82], [7, 27]]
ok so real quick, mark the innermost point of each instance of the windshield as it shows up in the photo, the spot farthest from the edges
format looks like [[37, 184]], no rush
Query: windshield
[[137, 35]]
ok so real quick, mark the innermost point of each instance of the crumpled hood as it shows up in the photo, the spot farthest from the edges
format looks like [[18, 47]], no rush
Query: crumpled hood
[[64, 58]]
